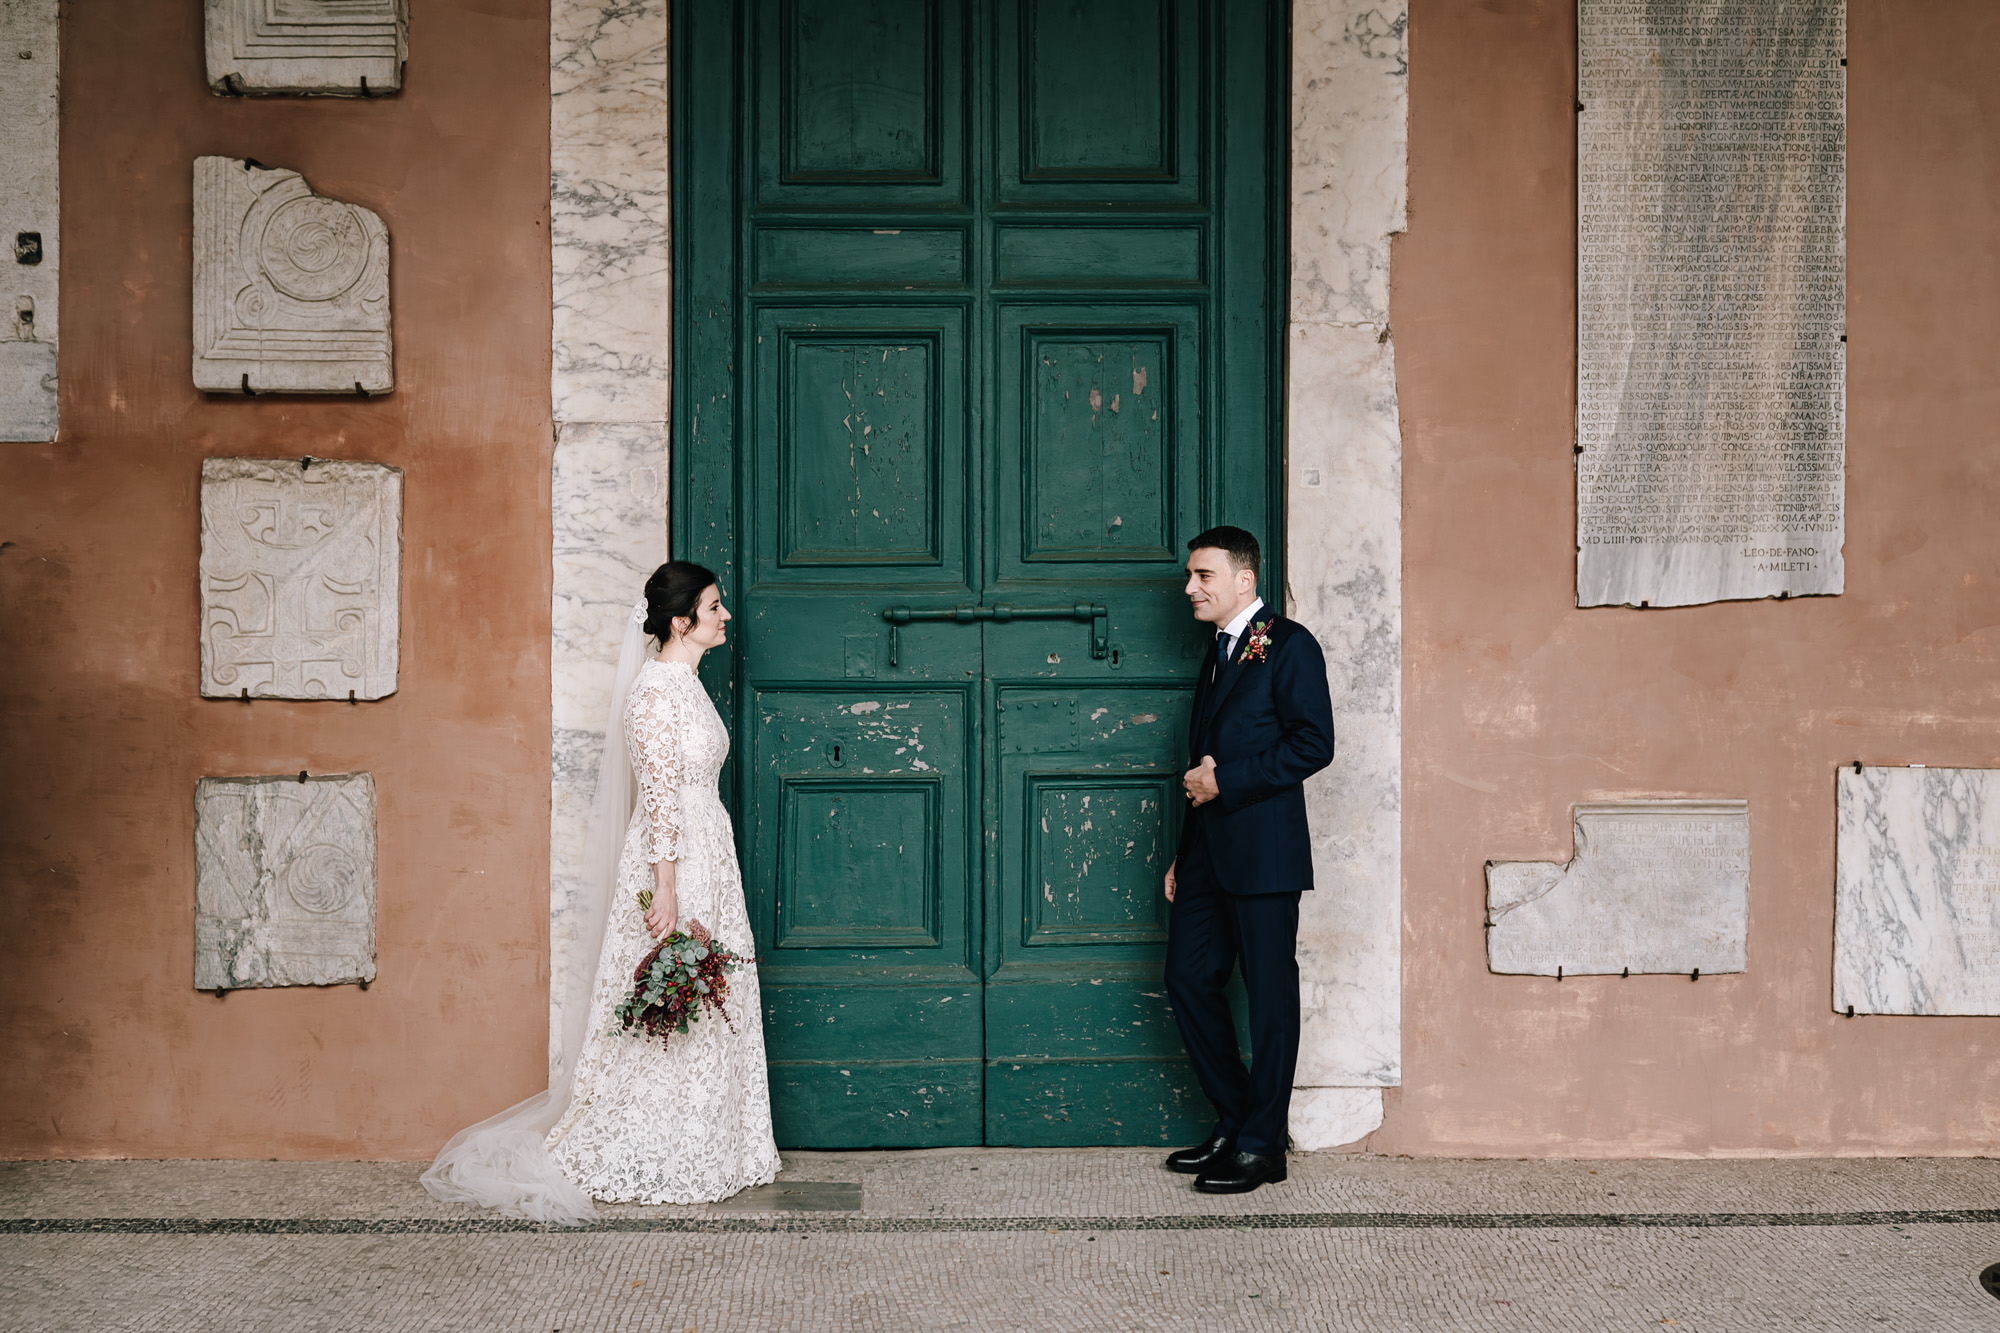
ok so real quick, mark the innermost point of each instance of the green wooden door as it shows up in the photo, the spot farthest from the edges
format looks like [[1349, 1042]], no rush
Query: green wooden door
[[977, 312]]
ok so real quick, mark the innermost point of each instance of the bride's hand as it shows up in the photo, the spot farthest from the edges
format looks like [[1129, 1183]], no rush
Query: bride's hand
[[666, 908]]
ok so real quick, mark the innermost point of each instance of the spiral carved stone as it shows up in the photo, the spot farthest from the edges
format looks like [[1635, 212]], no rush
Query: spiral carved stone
[[314, 249], [322, 879], [284, 881]]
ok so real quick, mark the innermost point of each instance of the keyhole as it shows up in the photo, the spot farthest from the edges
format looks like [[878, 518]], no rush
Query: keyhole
[[1114, 657], [833, 754]]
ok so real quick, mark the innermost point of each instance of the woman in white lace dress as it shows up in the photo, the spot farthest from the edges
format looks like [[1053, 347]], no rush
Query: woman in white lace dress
[[689, 1121], [626, 1118]]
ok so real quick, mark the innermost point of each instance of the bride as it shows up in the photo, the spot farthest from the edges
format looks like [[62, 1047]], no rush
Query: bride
[[626, 1119]]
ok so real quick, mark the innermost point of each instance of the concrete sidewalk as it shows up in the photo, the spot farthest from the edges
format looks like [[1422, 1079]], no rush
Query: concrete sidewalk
[[995, 1239]]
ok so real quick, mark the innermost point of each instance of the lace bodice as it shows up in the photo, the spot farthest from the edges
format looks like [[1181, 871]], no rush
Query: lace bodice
[[678, 745]]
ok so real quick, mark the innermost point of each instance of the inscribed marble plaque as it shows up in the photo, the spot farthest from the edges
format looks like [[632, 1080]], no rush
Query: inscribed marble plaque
[[291, 289], [284, 881], [332, 48], [1916, 917], [1711, 182], [1655, 886], [300, 577]]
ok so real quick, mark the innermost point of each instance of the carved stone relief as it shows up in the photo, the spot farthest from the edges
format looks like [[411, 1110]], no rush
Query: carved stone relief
[[284, 881], [332, 48], [300, 565], [1655, 886], [291, 289]]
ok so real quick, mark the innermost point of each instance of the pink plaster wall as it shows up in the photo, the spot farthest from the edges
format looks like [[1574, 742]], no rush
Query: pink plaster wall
[[1519, 704]]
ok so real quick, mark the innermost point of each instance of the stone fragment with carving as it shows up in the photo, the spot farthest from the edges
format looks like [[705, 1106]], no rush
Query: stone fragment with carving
[[300, 572], [291, 289], [284, 881], [326, 48]]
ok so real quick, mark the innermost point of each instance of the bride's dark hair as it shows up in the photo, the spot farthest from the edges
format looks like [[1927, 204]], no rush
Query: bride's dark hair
[[675, 590]]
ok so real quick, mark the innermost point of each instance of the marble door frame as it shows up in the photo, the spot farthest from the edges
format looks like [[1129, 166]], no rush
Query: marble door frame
[[609, 386]]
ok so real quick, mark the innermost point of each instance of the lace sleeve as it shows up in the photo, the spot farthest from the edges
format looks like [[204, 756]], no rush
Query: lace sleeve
[[655, 731]]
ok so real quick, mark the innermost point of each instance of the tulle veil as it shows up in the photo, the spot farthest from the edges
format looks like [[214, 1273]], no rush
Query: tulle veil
[[501, 1161]]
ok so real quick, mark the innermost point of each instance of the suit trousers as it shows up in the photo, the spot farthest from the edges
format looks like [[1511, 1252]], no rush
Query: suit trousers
[[1208, 930]]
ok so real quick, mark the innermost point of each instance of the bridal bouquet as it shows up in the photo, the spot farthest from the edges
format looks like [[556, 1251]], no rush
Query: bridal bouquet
[[672, 985]]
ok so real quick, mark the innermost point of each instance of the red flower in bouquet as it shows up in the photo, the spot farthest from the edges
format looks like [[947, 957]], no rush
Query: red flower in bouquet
[[683, 975]]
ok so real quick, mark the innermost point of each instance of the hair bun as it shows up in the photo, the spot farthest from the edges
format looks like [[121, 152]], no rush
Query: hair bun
[[674, 593]]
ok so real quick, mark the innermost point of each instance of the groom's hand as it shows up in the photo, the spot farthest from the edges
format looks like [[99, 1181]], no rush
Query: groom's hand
[[1171, 881], [1199, 781]]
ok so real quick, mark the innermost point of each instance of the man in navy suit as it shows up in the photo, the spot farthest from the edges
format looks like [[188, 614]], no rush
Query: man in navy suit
[[1263, 724]]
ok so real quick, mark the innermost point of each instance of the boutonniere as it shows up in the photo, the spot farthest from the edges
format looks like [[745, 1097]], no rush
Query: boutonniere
[[1259, 643]]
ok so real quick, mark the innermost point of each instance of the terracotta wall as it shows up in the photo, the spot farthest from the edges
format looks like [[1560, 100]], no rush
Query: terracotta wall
[[105, 1048], [1519, 704]]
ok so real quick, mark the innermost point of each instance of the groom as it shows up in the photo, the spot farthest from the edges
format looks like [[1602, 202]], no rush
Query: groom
[[1263, 724]]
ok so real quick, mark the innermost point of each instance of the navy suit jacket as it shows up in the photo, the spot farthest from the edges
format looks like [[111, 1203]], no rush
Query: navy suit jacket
[[1269, 724]]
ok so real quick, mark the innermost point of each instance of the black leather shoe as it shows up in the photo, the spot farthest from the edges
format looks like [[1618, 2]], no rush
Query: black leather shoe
[[1195, 1160], [1240, 1172]]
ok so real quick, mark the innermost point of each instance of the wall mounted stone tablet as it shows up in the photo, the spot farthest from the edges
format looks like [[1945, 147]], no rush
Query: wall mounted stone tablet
[[30, 246], [1711, 189], [1655, 886], [284, 881], [1916, 916], [329, 48], [300, 577], [291, 289]]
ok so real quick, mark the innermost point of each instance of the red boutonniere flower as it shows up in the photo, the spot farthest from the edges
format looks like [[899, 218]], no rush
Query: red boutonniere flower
[[1259, 644]]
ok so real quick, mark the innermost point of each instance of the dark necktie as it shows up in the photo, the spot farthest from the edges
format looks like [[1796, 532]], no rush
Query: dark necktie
[[1221, 658]]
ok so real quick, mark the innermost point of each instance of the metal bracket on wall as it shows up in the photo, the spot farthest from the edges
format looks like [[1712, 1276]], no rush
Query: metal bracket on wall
[[1098, 616]]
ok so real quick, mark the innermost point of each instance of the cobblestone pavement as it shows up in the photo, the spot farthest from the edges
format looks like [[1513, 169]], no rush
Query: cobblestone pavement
[[995, 1239]]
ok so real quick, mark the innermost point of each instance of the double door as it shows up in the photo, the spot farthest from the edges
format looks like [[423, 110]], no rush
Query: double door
[[977, 322]]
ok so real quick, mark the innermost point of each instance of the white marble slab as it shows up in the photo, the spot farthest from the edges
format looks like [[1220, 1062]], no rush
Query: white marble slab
[[609, 383], [1350, 108], [1916, 918], [291, 289], [1344, 547], [1333, 1117], [301, 573], [608, 140], [284, 881], [1654, 886], [608, 498], [29, 216]]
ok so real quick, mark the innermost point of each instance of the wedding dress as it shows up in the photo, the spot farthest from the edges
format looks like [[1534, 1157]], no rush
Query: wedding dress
[[623, 1117], [688, 1121]]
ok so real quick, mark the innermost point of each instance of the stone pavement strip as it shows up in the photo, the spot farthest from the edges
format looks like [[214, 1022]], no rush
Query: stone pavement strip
[[998, 1240]]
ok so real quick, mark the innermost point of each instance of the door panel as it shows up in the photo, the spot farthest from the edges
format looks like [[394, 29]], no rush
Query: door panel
[[860, 444], [1098, 100], [868, 952], [1098, 257], [860, 102], [974, 307], [1103, 432], [1081, 1047]]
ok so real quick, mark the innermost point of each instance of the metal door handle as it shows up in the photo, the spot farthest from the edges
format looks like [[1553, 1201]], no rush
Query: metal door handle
[[1098, 616]]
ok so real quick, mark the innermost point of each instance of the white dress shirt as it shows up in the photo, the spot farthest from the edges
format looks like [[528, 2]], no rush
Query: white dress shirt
[[1233, 631]]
